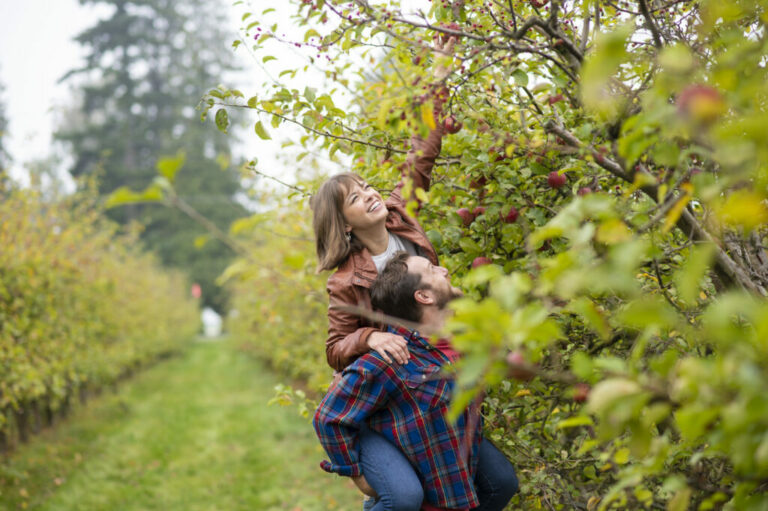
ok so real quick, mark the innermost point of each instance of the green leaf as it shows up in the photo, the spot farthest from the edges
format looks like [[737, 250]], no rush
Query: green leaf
[[621, 457], [261, 131], [692, 420], [521, 77], [680, 501], [311, 33], [582, 366], [469, 246], [573, 422], [222, 120], [428, 115], [268, 58], [610, 52], [201, 240], [459, 403], [607, 392], [593, 316], [648, 311], [688, 277], [168, 166], [125, 195]]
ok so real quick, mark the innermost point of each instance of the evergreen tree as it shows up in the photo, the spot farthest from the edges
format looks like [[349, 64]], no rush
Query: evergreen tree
[[147, 67]]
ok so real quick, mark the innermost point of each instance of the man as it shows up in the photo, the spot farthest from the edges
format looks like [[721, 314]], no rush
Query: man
[[407, 404]]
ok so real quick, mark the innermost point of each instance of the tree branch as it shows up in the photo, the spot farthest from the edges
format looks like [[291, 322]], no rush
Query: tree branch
[[651, 24]]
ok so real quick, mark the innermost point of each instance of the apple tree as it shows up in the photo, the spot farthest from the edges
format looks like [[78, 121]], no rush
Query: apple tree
[[601, 195]]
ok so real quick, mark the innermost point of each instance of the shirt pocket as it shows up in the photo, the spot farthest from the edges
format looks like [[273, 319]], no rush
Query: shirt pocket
[[428, 389]]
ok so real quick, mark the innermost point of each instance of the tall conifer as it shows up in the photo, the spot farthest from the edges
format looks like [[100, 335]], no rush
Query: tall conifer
[[147, 66]]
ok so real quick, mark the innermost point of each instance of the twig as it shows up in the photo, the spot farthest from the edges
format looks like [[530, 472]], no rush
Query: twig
[[292, 187]]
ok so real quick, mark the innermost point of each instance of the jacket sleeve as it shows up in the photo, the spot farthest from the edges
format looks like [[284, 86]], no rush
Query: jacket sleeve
[[347, 336], [342, 412], [421, 157]]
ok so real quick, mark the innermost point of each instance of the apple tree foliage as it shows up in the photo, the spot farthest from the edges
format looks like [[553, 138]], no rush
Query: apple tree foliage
[[80, 306], [603, 205]]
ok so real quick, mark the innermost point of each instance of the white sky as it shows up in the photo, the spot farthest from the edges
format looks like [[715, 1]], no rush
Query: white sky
[[37, 48]]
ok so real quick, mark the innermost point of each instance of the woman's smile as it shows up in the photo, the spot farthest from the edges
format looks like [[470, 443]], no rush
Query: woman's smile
[[363, 207]]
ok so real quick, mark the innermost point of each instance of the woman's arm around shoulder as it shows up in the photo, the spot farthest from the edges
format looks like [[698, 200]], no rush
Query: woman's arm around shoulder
[[347, 333]]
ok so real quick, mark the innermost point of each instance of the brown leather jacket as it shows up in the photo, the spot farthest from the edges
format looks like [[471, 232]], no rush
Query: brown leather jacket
[[351, 283]]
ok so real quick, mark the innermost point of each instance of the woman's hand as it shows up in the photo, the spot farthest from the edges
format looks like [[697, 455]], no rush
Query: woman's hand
[[387, 344], [442, 52]]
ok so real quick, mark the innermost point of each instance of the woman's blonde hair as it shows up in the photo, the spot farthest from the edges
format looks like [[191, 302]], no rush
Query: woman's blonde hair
[[328, 221]]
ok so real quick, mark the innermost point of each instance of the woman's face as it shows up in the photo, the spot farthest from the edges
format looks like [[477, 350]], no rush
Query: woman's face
[[363, 207]]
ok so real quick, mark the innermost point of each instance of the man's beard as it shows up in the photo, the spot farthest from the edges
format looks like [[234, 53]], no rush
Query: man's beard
[[443, 297]]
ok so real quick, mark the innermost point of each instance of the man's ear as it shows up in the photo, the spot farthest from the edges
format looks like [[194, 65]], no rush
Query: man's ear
[[424, 296]]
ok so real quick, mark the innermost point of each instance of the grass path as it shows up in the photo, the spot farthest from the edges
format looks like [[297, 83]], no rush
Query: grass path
[[192, 434]]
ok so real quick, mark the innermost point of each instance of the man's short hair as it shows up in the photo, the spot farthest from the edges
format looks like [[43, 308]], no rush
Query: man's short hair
[[392, 291]]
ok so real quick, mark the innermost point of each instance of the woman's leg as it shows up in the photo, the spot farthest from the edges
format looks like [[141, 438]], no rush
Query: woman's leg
[[496, 481], [388, 472]]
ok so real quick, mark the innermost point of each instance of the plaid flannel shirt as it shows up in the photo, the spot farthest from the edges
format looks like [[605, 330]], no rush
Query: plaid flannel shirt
[[407, 404]]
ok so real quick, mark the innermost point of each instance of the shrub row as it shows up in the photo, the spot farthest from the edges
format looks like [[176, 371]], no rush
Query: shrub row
[[279, 301], [80, 307]]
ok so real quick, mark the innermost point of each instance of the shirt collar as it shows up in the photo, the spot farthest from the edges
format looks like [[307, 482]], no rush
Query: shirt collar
[[410, 336]]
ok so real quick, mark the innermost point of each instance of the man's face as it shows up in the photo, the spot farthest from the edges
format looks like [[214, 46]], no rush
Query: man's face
[[435, 278]]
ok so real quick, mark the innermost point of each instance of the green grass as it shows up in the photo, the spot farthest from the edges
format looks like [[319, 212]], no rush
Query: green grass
[[193, 433]]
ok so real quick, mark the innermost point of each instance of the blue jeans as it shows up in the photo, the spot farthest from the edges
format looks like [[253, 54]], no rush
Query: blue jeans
[[495, 480], [390, 473]]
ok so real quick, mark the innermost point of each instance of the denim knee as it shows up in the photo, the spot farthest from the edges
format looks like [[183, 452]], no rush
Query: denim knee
[[509, 481], [404, 498]]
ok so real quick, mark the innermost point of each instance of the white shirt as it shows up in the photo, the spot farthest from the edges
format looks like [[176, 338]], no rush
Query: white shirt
[[396, 244]]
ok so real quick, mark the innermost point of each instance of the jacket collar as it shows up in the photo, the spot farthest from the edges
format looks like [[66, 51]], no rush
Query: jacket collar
[[361, 263]]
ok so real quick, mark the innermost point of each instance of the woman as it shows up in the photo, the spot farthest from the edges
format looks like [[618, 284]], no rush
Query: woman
[[356, 233]]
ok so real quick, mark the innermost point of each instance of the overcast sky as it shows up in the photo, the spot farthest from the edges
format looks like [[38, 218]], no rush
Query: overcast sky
[[37, 48]]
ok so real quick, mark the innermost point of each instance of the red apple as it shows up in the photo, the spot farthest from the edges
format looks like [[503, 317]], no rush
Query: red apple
[[701, 103], [480, 261], [452, 125], [510, 217], [539, 3], [556, 180], [478, 182], [450, 26], [580, 392], [519, 369], [480, 210], [585, 190], [554, 99], [466, 216], [494, 154]]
